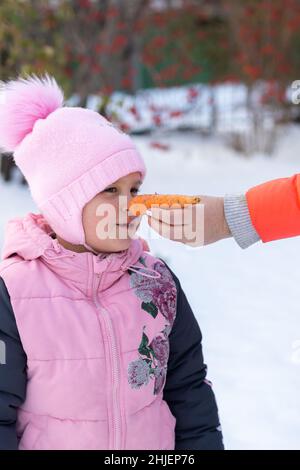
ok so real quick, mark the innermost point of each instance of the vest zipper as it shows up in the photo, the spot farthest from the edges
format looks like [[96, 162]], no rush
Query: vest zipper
[[115, 366]]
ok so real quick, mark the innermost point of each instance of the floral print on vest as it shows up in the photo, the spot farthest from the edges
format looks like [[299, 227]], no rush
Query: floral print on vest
[[157, 295], [152, 363]]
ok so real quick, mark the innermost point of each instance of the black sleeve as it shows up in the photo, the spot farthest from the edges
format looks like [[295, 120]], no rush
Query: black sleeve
[[187, 391], [13, 377]]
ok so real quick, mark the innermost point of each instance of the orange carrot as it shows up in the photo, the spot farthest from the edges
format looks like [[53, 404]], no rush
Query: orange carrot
[[139, 204]]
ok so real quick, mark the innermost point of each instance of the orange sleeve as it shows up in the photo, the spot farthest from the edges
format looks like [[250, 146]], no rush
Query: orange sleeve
[[275, 208]]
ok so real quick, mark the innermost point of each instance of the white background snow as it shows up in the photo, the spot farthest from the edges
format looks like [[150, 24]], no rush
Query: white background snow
[[246, 301]]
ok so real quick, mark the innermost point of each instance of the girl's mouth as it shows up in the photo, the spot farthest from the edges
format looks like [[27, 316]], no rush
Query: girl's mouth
[[125, 225], [128, 224]]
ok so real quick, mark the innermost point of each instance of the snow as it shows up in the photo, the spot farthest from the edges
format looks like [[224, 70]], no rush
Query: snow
[[246, 301], [196, 110], [193, 102]]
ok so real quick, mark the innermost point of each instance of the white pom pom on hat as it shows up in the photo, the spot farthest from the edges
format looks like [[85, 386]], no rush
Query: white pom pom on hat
[[67, 154]]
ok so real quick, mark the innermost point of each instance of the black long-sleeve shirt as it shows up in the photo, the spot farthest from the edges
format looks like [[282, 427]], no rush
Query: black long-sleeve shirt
[[13, 377], [188, 394]]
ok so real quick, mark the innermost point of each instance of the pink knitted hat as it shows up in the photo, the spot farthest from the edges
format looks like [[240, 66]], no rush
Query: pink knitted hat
[[67, 154]]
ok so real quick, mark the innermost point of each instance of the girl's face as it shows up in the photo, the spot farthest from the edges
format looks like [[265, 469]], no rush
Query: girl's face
[[107, 224]]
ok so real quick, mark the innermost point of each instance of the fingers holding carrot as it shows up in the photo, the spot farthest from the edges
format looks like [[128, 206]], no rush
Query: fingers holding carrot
[[173, 216]]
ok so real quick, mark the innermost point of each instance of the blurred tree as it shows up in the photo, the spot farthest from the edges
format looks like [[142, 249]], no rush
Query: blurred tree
[[100, 40], [30, 38], [7, 166], [95, 46], [30, 42], [262, 35], [183, 42]]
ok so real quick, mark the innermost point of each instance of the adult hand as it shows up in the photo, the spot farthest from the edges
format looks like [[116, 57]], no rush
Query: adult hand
[[194, 225]]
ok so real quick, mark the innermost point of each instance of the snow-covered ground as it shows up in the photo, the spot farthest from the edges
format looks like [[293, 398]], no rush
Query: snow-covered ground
[[190, 106], [247, 302]]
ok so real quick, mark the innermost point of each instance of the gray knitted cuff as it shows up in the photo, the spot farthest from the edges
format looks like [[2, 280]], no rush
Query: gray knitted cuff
[[239, 221]]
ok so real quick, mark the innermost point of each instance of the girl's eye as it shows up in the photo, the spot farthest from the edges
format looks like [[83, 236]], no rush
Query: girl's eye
[[110, 190], [135, 190], [113, 190]]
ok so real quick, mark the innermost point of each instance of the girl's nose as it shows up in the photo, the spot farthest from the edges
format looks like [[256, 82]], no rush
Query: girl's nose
[[123, 205], [123, 209]]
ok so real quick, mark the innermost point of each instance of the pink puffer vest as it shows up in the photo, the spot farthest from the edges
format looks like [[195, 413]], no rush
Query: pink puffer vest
[[95, 330]]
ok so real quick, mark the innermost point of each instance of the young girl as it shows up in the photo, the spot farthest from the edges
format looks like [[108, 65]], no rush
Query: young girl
[[102, 349]]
